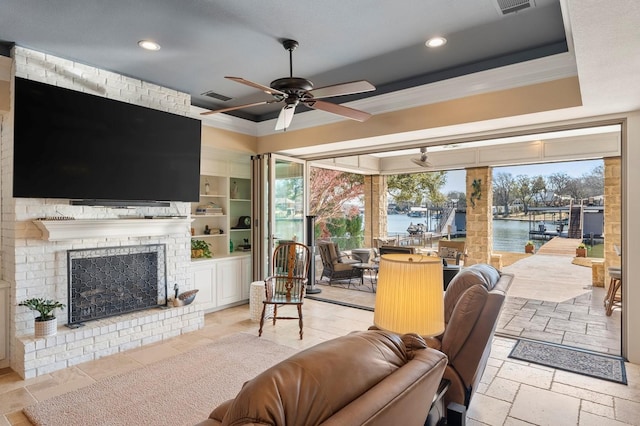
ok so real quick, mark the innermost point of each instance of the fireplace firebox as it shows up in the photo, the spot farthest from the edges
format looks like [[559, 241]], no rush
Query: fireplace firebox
[[104, 282]]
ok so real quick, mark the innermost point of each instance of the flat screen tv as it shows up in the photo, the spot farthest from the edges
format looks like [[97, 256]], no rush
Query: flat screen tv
[[77, 146]]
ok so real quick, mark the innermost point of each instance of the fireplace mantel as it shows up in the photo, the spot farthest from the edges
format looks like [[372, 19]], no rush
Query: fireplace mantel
[[65, 230]]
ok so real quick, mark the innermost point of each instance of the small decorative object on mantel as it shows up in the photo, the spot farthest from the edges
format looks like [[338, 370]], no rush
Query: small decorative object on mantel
[[46, 324], [207, 187]]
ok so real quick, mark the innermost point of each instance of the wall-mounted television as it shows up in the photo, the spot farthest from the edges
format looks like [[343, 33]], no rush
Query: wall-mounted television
[[77, 146]]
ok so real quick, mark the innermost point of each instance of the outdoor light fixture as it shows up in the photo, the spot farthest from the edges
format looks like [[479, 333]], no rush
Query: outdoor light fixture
[[410, 297]]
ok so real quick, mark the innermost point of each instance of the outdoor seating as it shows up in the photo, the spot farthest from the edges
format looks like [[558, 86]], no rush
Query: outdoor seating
[[614, 292], [397, 249], [336, 265], [453, 252]]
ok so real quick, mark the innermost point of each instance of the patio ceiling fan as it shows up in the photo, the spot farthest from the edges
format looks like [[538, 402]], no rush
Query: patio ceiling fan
[[422, 161], [294, 90]]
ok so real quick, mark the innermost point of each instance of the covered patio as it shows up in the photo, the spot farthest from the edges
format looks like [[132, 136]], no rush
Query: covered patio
[[551, 299]]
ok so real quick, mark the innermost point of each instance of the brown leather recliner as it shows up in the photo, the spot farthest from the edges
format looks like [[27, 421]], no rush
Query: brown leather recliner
[[472, 305], [366, 377]]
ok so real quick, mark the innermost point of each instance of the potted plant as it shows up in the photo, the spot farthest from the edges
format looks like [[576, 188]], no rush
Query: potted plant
[[200, 248], [529, 247], [46, 324], [581, 250]]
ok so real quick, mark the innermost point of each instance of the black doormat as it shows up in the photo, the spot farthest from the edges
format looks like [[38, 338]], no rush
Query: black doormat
[[574, 360]]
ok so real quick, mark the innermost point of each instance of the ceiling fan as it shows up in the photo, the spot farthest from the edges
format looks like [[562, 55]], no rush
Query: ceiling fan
[[422, 161], [294, 90]]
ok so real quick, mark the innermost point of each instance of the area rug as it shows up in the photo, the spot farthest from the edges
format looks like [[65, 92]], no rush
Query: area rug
[[180, 390], [601, 366]]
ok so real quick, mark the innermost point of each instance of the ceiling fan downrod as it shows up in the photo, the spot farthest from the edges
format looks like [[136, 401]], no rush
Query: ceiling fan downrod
[[290, 45]]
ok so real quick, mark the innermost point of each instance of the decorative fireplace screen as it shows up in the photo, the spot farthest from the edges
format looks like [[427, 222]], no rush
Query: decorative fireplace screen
[[115, 280]]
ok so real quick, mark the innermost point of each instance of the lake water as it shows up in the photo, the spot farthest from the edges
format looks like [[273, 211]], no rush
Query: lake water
[[508, 235]]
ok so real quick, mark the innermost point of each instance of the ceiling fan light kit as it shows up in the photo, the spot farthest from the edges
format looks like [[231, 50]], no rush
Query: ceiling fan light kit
[[294, 90]]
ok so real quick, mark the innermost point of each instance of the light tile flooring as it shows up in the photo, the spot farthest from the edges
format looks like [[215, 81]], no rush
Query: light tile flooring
[[512, 393], [552, 300]]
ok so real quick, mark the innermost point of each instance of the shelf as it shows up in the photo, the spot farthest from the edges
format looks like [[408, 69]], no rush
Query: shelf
[[212, 195], [207, 235], [195, 216], [64, 230], [240, 229], [239, 199]]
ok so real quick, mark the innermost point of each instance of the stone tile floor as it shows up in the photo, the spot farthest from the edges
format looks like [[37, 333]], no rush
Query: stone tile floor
[[553, 300], [511, 393]]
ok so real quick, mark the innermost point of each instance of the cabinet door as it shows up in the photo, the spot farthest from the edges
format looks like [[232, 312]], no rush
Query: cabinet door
[[246, 277], [203, 278], [4, 322], [228, 281]]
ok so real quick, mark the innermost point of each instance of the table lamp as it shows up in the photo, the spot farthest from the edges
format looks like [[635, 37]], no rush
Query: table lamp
[[410, 295]]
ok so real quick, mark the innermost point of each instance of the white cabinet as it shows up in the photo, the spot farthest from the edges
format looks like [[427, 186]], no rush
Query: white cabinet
[[229, 281], [222, 282], [246, 277], [203, 277], [4, 321]]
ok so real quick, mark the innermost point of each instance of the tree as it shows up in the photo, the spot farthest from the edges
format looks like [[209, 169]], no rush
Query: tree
[[503, 185], [593, 182], [417, 188], [329, 192], [528, 189], [539, 188], [557, 183]]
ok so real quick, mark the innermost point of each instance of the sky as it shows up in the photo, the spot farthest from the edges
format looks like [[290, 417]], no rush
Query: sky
[[456, 178]]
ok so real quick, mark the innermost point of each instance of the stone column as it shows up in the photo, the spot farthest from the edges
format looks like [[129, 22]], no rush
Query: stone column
[[375, 208], [479, 215], [612, 212]]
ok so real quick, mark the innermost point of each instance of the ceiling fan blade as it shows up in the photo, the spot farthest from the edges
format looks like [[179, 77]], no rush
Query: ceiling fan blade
[[342, 89], [258, 86], [233, 108], [285, 117], [353, 114]]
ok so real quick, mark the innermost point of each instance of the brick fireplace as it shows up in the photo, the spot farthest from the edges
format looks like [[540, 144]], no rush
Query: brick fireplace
[[34, 253]]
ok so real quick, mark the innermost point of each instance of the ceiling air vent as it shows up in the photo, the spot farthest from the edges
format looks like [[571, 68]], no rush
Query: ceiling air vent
[[509, 6], [215, 95]]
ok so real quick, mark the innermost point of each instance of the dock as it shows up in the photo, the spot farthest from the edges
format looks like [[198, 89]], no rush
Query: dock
[[560, 247]]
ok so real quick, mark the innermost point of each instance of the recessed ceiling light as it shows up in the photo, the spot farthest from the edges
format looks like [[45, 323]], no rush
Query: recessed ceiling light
[[436, 42], [149, 45]]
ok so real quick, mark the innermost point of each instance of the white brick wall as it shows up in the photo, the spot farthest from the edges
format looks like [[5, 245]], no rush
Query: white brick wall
[[37, 268], [104, 337]]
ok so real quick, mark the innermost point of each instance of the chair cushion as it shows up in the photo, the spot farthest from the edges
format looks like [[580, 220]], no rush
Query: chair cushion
[[340, 267], [333, 253], [447, 252]]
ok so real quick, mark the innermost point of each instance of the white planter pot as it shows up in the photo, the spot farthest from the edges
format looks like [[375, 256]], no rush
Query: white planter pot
[[46, 328]]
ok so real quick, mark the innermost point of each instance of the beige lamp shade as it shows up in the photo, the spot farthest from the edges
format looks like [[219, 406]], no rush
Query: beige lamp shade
[[410, 296]]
